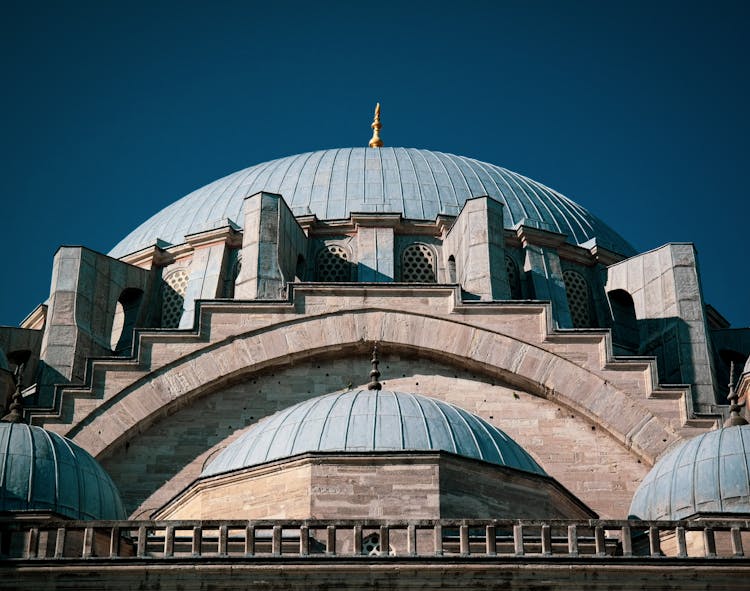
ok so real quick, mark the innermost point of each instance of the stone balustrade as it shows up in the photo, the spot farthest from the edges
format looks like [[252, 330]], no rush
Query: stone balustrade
[[29, 540]]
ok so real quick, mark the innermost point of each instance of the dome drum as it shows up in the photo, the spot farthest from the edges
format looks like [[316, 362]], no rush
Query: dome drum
[[376, 485]]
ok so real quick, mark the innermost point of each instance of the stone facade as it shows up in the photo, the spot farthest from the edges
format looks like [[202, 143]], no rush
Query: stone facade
[[595, 361]]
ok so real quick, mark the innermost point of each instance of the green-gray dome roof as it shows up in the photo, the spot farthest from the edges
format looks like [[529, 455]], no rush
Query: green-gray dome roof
[[43, 471], [709, 473], [371, 420], [332, 184]]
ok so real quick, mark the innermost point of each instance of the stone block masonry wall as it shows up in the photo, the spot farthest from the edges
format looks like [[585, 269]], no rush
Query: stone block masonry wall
[[207, 267], [476, 242], [666, 291], [83, 299], [169, 454], [271, 244]]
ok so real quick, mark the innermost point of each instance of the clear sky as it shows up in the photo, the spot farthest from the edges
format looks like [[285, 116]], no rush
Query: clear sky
[[636, 110]]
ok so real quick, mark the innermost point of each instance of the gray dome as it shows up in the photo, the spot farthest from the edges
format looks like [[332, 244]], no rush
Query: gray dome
[[43, 471], [419, 184], [370, 420], [707, 474]]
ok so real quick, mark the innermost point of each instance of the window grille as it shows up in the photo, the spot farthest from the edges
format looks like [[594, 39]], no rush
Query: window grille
[[418, 264], [578, 298], [333, 264], [173, 297]]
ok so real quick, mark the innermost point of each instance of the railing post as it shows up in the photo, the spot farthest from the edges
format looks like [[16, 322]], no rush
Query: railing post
[[437, 534], [60, 543], [358, 550], [518, 539], [169, 541], [573, 540], [304, 540], [249, 540], [601, 547], [546, 540], [141, 549], [627, 541], [114, 542], [737, 548], [222, 540], [276, 540], [88, 542], [490, 546], [411, 540], [197, 540], [653, 541], [464, 540], [32, 543], [385, 541], [681, 543], [331, 540], [710, 542]]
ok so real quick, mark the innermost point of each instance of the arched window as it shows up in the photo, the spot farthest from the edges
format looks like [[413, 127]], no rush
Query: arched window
[[123, 323], [418, 264], [624, 322], [452, 269], [578, 298], [514, 278], [333, 264], [233, 271], [173, 290]]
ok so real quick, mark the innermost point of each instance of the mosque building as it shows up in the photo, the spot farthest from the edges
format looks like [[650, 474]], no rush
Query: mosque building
[[375, 368]]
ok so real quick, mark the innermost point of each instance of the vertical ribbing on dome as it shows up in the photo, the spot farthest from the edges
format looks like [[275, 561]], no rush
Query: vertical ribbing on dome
[[374, 373]]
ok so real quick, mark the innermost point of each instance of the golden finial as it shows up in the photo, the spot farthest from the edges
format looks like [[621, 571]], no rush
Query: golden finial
[[376, 142]]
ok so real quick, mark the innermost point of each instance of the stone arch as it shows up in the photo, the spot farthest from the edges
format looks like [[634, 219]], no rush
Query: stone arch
[[564, 443], [536, 370]]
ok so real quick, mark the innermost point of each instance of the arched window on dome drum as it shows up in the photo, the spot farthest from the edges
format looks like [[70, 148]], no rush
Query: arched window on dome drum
[[173, 290], [514, 278], [578, 298], [234, 265], [123, 323], [333, 264], [452, 269], [418, 264]]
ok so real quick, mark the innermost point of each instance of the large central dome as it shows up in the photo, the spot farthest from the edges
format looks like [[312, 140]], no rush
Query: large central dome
[[332, 184]]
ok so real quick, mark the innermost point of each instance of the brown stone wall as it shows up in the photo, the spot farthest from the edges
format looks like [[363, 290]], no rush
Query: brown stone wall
[[376, 488], [169, 454], [470, 489]]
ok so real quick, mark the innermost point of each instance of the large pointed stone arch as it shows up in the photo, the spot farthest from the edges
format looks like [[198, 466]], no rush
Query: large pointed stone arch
[[450, 340]]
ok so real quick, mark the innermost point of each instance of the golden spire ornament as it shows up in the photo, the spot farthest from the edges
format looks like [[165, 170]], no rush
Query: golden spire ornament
[[376, 142]]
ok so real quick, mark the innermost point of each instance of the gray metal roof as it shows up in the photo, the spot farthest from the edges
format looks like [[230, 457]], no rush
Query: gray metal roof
[[707, 474], [43, 471], [332, 184], [371, 420]]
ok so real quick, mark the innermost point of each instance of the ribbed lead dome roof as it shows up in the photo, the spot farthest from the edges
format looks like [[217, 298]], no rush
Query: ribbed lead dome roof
[[419, 184], [43, 471], [707, 474], [371, 420]]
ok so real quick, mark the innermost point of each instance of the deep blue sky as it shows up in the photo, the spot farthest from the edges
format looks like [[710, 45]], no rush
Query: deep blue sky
[[636, 110]]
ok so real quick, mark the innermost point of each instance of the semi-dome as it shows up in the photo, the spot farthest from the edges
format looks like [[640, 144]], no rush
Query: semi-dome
[[372, 420], [43, 471], [707, 474], [332, 184]]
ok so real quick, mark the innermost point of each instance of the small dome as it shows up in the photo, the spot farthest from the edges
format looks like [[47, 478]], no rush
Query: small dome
[[371, 420], [332, 184], [707, 474], [43, 471]]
